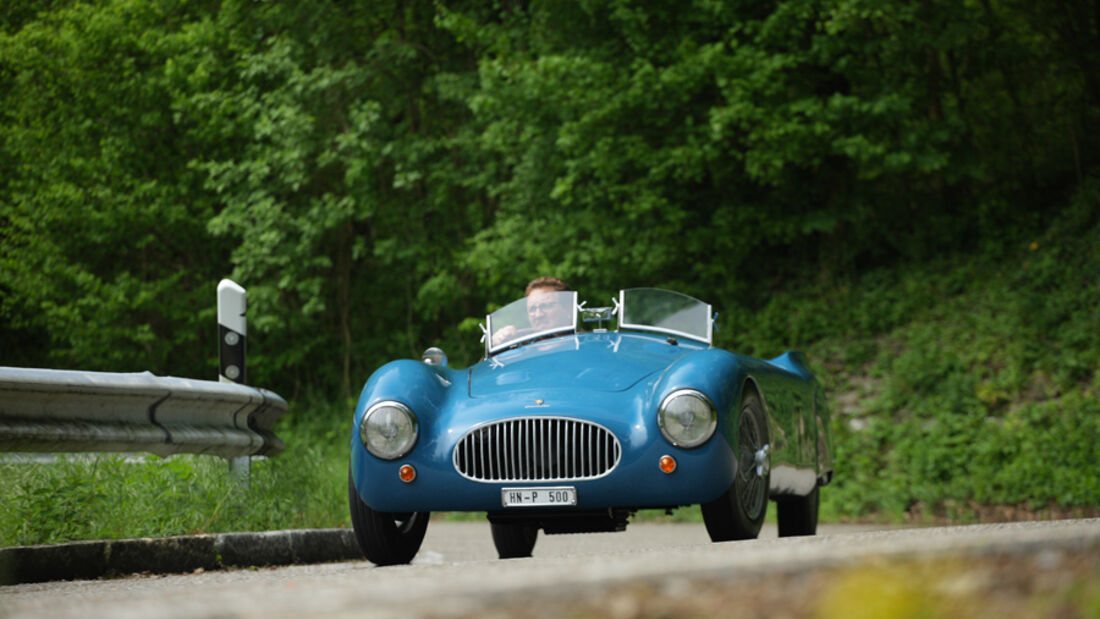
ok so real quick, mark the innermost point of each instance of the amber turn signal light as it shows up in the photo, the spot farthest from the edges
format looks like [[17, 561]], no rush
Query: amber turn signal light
[[667, 464], [407, 473]]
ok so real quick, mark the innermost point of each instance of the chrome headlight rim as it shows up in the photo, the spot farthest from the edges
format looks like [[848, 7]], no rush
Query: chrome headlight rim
[[403, 448], [712, 421]]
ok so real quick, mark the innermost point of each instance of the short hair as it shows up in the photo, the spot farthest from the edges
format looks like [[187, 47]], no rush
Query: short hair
[[546, 281]]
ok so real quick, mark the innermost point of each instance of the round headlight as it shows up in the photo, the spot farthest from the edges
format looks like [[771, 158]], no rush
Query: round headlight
[[388, 430], [687, 418]]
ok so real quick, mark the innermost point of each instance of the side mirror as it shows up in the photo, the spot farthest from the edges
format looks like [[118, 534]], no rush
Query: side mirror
[[434, 356]]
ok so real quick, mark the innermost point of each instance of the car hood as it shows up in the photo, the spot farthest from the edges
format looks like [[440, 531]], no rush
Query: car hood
[[600, 362]]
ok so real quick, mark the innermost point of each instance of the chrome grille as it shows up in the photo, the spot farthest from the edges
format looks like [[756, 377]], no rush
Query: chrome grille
[[537, 449]]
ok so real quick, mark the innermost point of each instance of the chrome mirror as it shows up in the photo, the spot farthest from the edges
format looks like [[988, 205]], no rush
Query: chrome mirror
[[434, 356]]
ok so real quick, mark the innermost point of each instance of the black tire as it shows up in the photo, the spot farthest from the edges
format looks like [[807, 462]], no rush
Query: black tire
[[739, 512], [386, 539], [514, 541], [798, 515]]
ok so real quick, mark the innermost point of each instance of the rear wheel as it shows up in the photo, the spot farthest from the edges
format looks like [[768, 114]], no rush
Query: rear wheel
[[385, 538], [739, 512], [514, 541], [797, 515]]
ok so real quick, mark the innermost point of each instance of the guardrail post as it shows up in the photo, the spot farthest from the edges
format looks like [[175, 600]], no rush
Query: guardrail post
[[232, 332]]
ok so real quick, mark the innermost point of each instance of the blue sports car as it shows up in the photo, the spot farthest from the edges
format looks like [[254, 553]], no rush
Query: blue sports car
[[577, 418]]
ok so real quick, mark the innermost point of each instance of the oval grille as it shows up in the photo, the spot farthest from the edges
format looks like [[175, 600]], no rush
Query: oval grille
[[537, 449]]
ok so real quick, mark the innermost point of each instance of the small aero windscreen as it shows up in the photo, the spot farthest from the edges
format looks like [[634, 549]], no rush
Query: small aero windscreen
[[532, 317], [665, 311]]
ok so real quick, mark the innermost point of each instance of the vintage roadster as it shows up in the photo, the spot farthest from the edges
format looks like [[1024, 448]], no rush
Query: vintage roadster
[[578, 417]]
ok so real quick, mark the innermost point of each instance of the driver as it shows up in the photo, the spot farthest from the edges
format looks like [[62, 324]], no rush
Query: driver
[[543, 311]]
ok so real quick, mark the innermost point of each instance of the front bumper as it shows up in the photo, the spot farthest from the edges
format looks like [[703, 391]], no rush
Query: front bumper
[[701, 475]]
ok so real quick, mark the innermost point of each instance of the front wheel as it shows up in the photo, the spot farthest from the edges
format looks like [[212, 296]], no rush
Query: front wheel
[[514, 541], [739, 512], [384, 538], [797, 515]]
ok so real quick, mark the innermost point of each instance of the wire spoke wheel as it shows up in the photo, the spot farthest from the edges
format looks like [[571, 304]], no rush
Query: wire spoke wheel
[[751, 474], [739, 512]]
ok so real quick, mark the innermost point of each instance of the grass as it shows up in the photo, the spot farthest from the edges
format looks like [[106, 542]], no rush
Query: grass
[[111, 497]]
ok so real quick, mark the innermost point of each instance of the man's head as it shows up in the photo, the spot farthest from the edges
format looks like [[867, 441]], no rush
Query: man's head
[[543, 309], [545, 284]]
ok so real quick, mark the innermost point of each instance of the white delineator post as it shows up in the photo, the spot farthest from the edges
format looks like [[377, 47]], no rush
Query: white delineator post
[[232, 332]]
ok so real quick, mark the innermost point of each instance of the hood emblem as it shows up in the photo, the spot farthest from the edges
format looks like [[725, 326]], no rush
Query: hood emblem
[[539, 403]]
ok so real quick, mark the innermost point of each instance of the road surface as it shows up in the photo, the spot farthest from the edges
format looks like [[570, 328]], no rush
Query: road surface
[[649, 570]]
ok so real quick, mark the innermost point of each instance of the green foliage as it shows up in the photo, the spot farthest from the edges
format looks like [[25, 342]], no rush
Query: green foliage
[[104, 261], [375, 174], [988, 393]]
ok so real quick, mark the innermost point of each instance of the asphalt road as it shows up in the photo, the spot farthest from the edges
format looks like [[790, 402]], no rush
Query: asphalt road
[[650, 566]]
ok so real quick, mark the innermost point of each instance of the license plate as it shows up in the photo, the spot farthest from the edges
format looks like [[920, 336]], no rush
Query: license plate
[[538, 497]]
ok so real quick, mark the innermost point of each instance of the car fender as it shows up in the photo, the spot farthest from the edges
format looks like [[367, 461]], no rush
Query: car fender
[[717, 373], [423, 388]]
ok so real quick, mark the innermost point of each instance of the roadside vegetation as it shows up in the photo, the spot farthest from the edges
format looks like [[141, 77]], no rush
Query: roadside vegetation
[[907, 192], [966, 387], [109, 496]]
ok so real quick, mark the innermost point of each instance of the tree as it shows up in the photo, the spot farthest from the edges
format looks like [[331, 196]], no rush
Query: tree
[[106, 263]]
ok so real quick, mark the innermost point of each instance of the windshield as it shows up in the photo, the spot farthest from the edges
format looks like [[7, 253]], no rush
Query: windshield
[[665, 311], [540, 314]]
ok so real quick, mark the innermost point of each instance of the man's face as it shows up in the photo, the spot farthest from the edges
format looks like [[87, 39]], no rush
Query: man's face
[[545, 309]]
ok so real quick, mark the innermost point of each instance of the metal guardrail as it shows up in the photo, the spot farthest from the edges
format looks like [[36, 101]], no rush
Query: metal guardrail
[[44, 410]]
